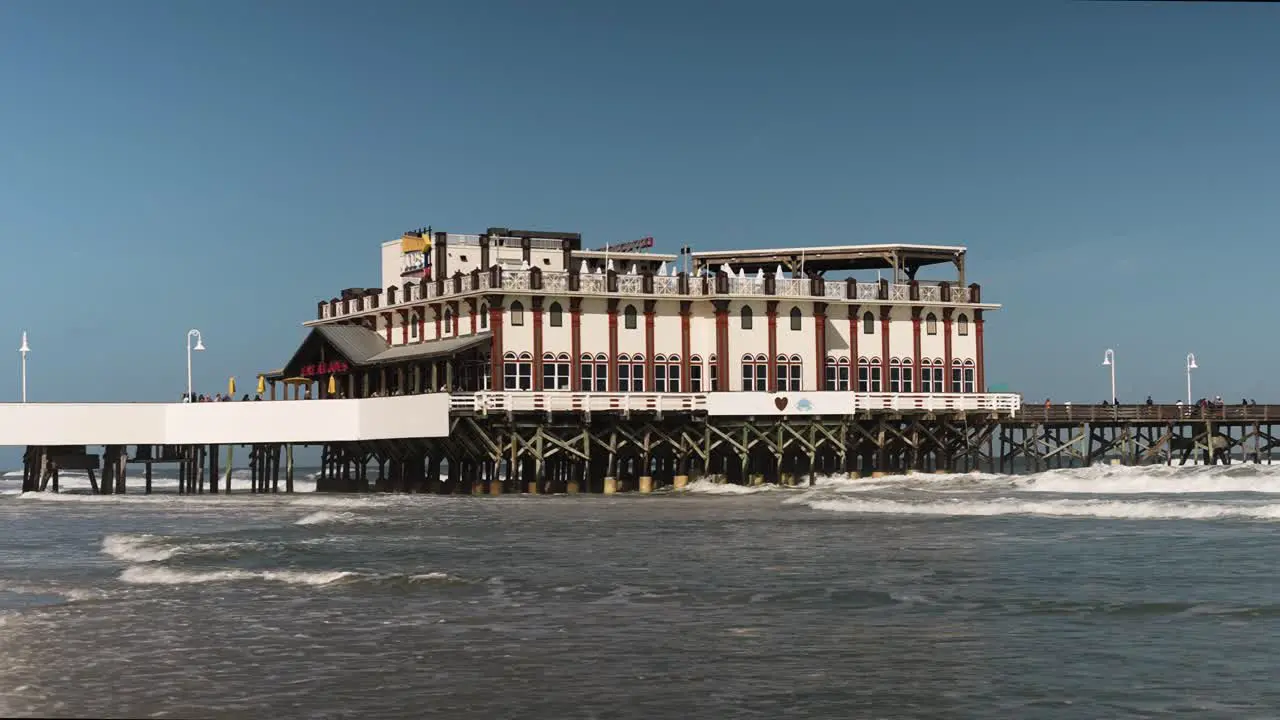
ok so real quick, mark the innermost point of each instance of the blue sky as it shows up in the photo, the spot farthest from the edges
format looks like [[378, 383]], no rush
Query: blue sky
[[166, 165]]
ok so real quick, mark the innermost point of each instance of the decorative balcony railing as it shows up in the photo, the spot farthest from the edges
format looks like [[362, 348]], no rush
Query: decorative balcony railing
[[732, 403], [719, 285]]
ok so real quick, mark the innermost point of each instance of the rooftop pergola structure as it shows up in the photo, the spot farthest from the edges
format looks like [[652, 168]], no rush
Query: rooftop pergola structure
[[903, 260]]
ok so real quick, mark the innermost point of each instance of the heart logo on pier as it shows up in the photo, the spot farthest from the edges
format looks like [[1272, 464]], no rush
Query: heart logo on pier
[[780, 403]]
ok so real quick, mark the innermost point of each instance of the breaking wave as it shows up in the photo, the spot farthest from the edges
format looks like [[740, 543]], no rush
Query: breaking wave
[[1109, 509], [153, 575]]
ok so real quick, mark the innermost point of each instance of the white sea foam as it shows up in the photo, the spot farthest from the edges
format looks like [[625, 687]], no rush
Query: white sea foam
[[151, 575], [1110, 509], [138, 548], [707, 487], [329, 517]]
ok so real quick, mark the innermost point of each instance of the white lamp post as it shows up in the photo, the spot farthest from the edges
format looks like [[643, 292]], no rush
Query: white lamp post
[[1191, 365], [1109, 360], [193, 333], [23, 351]]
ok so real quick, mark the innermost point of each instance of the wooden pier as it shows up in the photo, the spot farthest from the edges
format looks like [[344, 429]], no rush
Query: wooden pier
[[501, 443]]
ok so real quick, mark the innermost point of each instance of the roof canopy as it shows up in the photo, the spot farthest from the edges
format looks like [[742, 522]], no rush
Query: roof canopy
[[359, 346], [907, 258]]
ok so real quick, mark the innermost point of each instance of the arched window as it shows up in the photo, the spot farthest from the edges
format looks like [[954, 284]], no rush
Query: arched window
[[755, 373], [666, 373], [957, 375], [746, 317], [931, 324], [788, 373], [555, 371], [836, 372], [517, 313], [517, 372], [413, 326], [695, 374], [637, 373], [962, 324], [939, 372], [595, 373], [629, 318], [555, 315], [448, 320], [796, 318], [900, 376], [969, 376], [713, 374], [926, 376], [869, 375], [868, 323], [484, 316]]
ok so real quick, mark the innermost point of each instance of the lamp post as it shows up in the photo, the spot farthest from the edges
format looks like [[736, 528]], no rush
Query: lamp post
[[1191, 365], [23, 351], [193, 333], [1109, 360]]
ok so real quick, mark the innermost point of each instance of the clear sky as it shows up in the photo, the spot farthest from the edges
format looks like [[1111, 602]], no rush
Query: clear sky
[[1113, 167]]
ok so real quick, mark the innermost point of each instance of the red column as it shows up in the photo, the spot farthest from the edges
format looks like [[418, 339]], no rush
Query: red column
[[613, 345], [820, 344], [722, 343], [853, 344], [471, 309], [686, 308], [496, 381], [946, 351], [649, 344], [439, 311], [537, 343], [422, 323], [404, 325], [457, 319], [884, 348], [771, 312], [387, 317], [980, 360], [915, 344], [575, 343]]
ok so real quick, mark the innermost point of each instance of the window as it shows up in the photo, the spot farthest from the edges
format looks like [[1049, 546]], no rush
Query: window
[[517, 313], [926, 376], [595, 373], [448, 320], [868, 323], [795, 319], [484, 316], [931, 324], [713, 374], [868, 375], [939, 372], [746, 317], [788, 373], [637, 373], [755, 373], [555, 315], [957, 375], [629, 317], [672, 367], [900, 376], [962, 324], [837, 374], [413, 326], [969, 371], [555, 371], [695, 374], [517, 372]]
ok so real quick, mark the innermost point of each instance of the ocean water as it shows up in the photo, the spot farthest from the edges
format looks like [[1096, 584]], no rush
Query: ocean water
[[1103, 592]]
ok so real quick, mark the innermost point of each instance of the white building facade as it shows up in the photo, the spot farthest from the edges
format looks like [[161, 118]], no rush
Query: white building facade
[[527, 311]]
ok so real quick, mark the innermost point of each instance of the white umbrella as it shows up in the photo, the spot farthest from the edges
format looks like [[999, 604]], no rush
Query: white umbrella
[[662, 269], [779, 274], [584, 270]]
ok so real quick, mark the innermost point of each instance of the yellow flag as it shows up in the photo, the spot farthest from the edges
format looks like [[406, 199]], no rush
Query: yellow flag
[[262, 384], [333, 385], [231, 387]]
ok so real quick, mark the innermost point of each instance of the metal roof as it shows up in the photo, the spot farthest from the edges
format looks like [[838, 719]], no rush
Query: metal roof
[[358, 344], [431, 348], [835, 257]]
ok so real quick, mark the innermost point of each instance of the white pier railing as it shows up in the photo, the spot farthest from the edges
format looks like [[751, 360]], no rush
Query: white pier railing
[[736, 403]]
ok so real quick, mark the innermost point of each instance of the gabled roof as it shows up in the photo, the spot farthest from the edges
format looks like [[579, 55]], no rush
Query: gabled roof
[[431, 348], [359, 345]]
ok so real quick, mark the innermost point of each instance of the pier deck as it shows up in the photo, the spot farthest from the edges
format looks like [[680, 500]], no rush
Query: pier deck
[[495, 442]]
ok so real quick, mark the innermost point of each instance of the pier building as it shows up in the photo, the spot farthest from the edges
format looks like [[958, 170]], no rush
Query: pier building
[[522, 361]]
